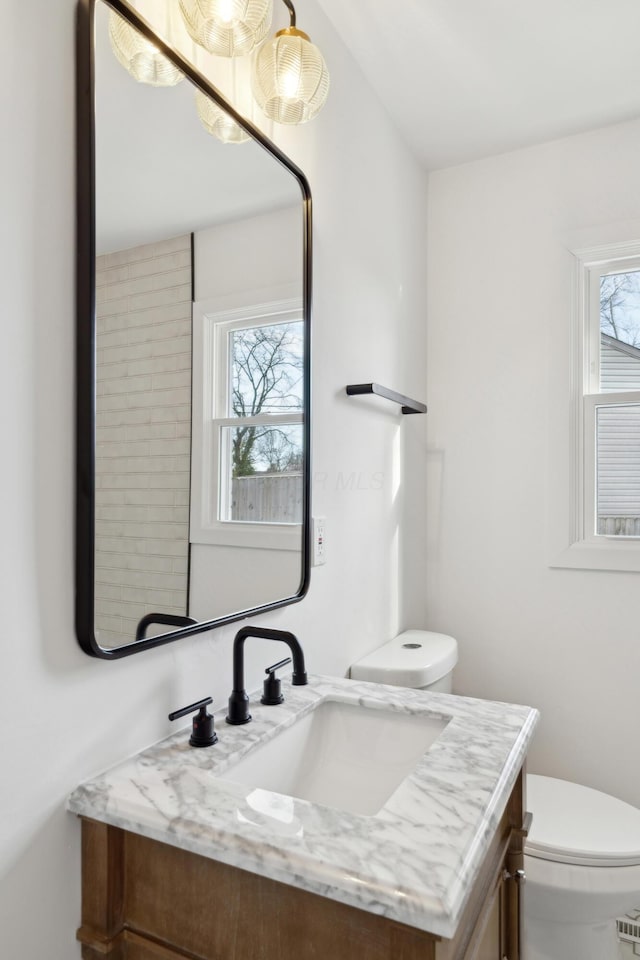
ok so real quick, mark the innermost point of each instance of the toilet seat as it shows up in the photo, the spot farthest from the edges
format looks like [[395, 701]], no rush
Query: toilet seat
[[573, 824]]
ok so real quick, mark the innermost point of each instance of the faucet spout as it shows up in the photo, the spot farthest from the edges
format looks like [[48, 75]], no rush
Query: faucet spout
[[239, 700]]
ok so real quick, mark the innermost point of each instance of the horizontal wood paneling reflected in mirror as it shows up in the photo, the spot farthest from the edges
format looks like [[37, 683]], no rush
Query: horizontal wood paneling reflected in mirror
[[193, 359]]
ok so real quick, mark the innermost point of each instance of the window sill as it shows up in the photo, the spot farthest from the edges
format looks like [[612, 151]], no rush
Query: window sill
[[605, 554], [260, 536]]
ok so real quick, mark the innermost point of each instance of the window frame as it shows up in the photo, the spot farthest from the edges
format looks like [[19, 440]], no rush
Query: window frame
[[213, 320], [588, 549]]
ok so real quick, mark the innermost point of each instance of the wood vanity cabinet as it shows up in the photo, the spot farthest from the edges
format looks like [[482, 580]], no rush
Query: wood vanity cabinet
[[145, 900]]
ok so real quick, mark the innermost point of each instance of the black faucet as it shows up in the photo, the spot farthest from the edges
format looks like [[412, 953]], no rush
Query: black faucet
[[239, 701]]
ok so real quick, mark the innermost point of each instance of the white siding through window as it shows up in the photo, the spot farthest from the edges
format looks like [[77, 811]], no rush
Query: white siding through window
[[619, 365], [618, 434]]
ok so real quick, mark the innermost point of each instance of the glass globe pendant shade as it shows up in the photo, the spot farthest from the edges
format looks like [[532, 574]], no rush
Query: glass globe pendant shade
[[290, 80], [227, 28], [139, 56], [217, 121]]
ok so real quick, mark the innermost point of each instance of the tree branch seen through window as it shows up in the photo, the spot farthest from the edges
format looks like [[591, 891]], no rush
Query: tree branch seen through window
[[267, 378], [620, 306]]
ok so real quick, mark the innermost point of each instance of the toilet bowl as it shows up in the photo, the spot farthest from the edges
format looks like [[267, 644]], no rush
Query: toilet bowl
[[582, 863], [582, 856]]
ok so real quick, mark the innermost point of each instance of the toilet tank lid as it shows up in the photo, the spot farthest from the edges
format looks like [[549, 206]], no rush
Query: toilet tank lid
[[415, 658], [575, 824]]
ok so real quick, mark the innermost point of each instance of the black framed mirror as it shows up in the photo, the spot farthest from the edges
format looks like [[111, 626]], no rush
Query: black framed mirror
[[193, 356]]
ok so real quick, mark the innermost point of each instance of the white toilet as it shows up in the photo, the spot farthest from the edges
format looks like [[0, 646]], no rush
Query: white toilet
[[582, 862], [582, 856], [415, 658]]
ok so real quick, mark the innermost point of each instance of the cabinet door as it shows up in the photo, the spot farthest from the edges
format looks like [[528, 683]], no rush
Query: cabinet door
[[489, 939], [490, 944]]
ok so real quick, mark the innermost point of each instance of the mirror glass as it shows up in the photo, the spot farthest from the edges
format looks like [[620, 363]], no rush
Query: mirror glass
[[201, 355]]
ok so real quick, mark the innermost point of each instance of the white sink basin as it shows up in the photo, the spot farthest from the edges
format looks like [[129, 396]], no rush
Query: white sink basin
[[341, 755]]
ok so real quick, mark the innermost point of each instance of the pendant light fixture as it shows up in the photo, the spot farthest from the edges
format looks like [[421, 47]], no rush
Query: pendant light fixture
[[217, 121], [227, 28], [139, 56], [290, 79], [230, 77]]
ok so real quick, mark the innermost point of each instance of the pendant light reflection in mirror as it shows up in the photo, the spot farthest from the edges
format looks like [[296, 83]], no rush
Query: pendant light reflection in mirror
[[289, 80], [139, 56]]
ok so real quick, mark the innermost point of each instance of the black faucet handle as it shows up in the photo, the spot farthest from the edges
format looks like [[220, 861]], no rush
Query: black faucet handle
[[202, 730], [272, 694], [276, 666]]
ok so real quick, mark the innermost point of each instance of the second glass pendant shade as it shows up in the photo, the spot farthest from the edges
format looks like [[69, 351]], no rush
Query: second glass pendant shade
[[227, 28]]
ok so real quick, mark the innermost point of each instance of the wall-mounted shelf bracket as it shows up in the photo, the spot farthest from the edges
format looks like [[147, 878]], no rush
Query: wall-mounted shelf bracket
[[408, 405]]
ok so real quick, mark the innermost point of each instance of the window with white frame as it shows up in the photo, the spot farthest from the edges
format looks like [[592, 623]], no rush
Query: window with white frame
[[607, 468], [248, 425]]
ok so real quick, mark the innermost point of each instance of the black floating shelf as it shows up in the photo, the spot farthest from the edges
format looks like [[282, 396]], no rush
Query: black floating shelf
[[408, 405]]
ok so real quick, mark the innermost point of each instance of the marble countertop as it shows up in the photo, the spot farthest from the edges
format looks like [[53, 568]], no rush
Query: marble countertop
[[415, 861]]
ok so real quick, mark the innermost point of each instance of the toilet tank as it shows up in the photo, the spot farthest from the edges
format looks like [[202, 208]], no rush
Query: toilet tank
[[416, 658]]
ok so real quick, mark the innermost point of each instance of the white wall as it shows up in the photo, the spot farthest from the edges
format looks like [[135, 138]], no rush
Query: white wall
[[64, 715], [253, 253], [500, 298]]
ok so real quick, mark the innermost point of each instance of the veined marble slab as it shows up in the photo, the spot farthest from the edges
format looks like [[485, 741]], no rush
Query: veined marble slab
[[415, 861]]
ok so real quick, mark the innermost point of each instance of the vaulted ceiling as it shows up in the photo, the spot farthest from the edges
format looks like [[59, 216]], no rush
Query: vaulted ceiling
[[470, 78]]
